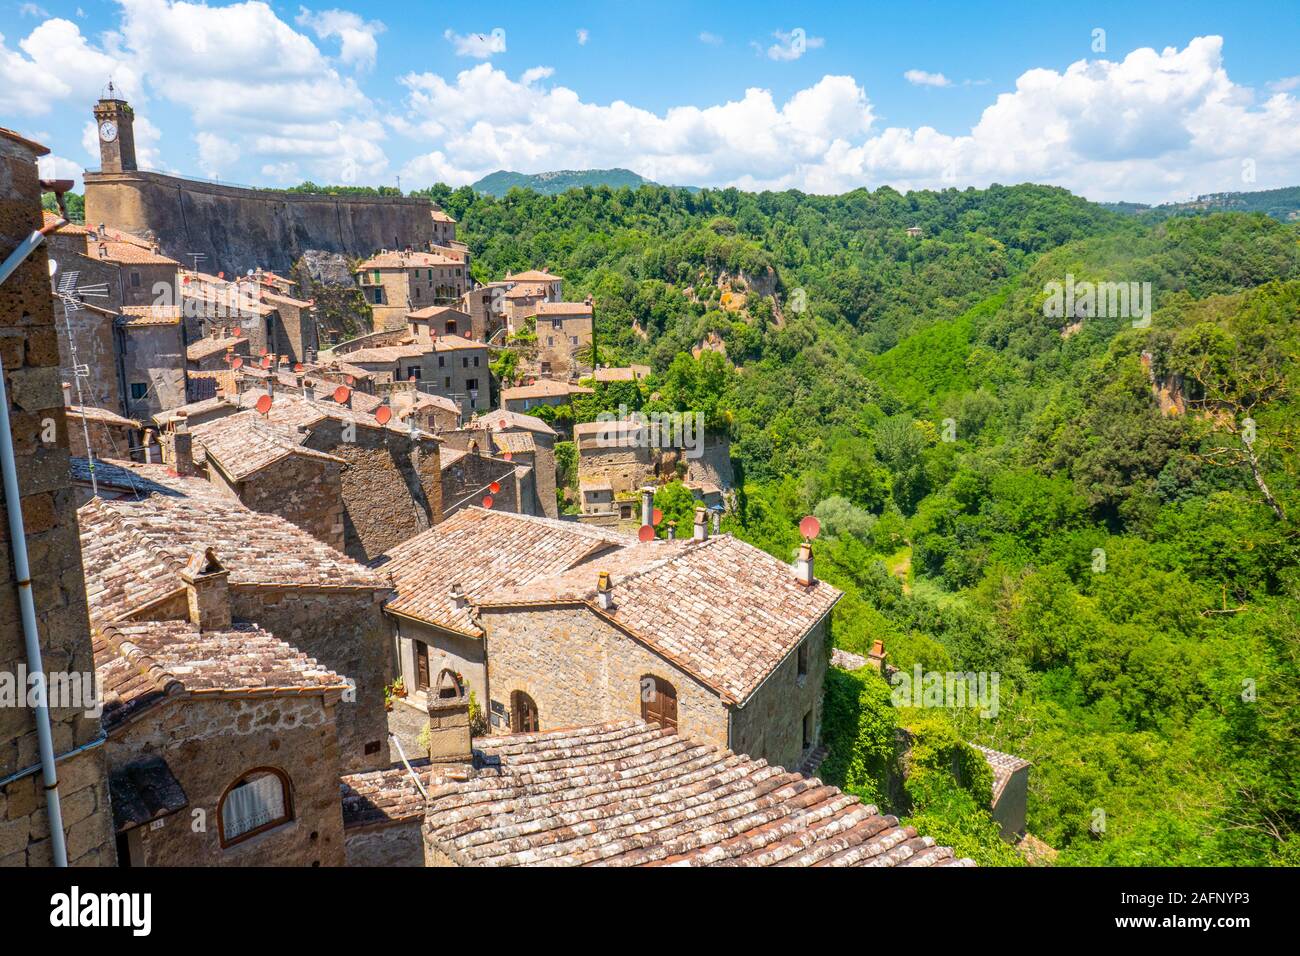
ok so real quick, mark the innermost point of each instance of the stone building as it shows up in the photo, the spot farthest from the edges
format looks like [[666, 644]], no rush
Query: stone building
[[470, 478], [486, 307], [391, 480], [642, 796], [449, 366], [1010, 791], [428, 323], [153, 357], [29, 357], [215, 351], [565, 331], [525, 439], [135, 551], [438, 578], [221, 738], [521, 398], [399, 283], [524, 291], [111, 435], [707, 634], [266, 466], [444, 228]]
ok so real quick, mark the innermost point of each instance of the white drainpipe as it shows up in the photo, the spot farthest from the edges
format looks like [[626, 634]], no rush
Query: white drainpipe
[[22, 571]]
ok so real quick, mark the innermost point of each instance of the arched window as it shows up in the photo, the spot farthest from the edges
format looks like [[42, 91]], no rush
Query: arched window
[[523, 714], [256, 802], [659, 702]]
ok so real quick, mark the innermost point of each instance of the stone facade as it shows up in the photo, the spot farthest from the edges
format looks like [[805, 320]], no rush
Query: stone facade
[[305, 491], [467, 479], [396, 844], [345, 630], [208, 746], [580, 669], [392, 486], [153, 367], [29, 352]]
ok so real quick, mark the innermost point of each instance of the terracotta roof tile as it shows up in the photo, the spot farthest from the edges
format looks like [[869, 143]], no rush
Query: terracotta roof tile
[[1003, 766], [544, 388], [630, 794], [141, 664], [481, 550], [133, 550], [244, 443]]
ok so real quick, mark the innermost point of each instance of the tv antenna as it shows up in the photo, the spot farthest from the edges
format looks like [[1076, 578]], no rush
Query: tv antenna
[[71, 295]]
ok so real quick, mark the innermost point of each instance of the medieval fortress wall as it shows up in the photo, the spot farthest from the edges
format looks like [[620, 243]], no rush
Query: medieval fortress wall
[[238, 229]]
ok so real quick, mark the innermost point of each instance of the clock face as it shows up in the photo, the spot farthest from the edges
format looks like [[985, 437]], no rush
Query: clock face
[[108, 131]]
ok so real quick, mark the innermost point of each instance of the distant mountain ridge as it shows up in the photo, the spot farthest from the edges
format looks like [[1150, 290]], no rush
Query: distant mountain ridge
[[1281, 204], [559, 181]]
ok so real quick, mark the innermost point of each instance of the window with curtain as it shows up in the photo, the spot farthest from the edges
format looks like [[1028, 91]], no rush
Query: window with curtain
[[258, 801]]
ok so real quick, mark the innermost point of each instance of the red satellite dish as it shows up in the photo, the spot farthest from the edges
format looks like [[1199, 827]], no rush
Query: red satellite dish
[[494, 487], [382, 414], [810, 527], [263, 404], [236, 362], [503, 423], [236, 331], [647, 533], [265, 351], [342, 394], [266, 361], [297, 366], [656, 516], [185, 280], [507, 456], [487, 501], [350, 380], [221, 275]]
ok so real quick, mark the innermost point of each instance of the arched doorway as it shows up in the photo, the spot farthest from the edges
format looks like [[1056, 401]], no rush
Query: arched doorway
[[659, 702], [523, 714]]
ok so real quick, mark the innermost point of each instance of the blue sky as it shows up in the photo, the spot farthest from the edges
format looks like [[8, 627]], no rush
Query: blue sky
[[1171, 100]]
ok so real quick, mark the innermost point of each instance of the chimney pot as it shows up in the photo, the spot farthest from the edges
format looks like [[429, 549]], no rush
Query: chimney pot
[[647, 505], [803, 567], [701, 532], [604, 591], [450, 737], [672, 531], [178, 448], [207, 590], [458, 598]]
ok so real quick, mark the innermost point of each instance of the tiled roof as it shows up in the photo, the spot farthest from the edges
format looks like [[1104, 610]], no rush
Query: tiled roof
[[503, 419], [128, 477], [214, 346], [720, 609], [630, 794], [582, 309], [440, 216], [543, 388], [533, 275], [526, 290], [1003, 766], [133, 551], [101, 415], [140, 664], [479, 550], [454, 343], [137, 316], [245, 443], [406, 260], [383, 354], [381, 797], [193, 409], [123, 247], [433, 311], [297, 412], [142, 791], [516, 443]]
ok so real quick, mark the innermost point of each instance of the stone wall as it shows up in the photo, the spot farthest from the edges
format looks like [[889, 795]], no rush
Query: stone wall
[[466, 481], [241, 229], [579, 670], [770, 725], [91, 331], [307, 492], [106, 440], [459, 653], [392, 485], [209, 744], [29, 351], [153, 355], [346, 631]]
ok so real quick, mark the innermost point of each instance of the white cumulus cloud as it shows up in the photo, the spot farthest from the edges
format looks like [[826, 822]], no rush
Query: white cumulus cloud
[[923, 78], [358, 43], [478, 45]]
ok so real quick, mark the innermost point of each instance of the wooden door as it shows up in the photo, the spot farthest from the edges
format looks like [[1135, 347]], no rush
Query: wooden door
[[523, 714], [421, 665], [659, 702]]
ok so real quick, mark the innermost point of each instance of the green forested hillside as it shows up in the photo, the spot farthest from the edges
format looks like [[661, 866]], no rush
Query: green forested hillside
[[1103, 515], [502, 181]]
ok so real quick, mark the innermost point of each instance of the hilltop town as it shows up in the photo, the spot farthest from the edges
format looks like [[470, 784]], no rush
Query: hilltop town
[[340, 604]]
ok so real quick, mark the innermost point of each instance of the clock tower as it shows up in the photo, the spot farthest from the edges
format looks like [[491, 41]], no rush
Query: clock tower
[[113, 126]]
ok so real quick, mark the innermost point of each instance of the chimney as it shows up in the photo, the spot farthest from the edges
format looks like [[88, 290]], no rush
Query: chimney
[[450, 738], [458, 598], [876, 658], [67, 394], [604, 591], [309, 389], [178, 449], [208, 592], [717, 522], [803, 567], [647, 505], [701, 532], [672, 531]]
